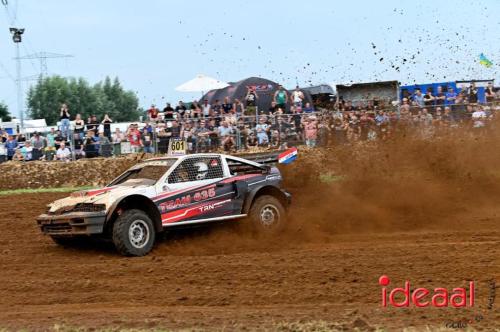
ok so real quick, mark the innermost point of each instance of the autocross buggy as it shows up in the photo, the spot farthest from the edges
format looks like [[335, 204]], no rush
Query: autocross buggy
[[170, 192]]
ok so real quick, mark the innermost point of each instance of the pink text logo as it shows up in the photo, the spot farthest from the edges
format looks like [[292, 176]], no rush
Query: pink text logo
[[422, 297]]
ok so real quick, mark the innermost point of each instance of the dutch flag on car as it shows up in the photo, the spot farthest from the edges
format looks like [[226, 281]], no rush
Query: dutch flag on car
[[288, 156]]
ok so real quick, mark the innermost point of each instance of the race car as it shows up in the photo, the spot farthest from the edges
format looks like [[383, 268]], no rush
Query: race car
[[167, 192]]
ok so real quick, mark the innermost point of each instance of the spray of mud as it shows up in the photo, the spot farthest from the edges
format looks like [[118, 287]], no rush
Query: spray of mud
[[406, 183]]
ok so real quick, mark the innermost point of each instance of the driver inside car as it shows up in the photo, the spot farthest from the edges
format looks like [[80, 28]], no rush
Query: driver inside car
[[201, 170]]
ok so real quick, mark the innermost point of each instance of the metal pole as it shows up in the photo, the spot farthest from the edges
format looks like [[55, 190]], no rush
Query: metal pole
[[19, 88]]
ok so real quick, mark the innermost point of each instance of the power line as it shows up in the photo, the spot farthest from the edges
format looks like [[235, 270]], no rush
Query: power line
[[43, 56], [7, 72]]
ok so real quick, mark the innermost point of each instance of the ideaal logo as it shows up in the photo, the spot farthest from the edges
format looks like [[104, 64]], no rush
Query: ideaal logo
[[458, 297]]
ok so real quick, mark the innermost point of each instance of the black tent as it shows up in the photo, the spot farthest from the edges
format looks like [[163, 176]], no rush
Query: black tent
[[238, 90]]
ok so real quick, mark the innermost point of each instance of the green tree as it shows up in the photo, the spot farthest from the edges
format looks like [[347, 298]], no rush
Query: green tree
[[4, 112], [46, 97]]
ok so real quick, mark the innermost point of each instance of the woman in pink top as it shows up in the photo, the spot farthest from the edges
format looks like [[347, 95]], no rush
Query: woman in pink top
[[311, 131]]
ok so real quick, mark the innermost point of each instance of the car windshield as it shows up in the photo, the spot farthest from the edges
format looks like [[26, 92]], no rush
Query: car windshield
[[147, 173]]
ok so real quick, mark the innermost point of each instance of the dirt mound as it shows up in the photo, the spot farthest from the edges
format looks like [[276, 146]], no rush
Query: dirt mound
[[84, 172]]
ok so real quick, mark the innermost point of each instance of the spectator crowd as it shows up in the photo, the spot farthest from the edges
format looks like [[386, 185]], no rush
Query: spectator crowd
[[235, 125]]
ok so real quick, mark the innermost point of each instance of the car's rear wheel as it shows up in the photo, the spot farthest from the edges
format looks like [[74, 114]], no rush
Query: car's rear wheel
[[267, 214], [133, 233]]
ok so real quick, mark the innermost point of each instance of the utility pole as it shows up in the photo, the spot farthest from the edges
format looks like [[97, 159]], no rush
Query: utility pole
[[16, 38], [43, 56]]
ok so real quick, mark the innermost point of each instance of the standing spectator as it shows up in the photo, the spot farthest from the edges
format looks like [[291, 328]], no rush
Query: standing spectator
[[428, 97], [168, 113], [489, 93], [153, 113], [89, 145], [262, 137], [196, 111], [215, 111], [478, 118], [311, 131], [297, 97], [105, 148], [227, 106], [117, 138], [472, 92], [251, 101], [180, 109], [78, 146], [79, 126], [448, 116], [187, 133], [50, 148], [440, 96], [418, 98], [176, 129], [38, 143], [63, 153], [93, 125], [148, 126], [147, 141], [134, 137], [213, 134], [206, 108], [451, 96], [281, 98], [202, 134], [226, 134], [64, 117], [242, 132], [11, 145], [238, 108], [107, 125], [21, 139], [280, 125], [272, 109]]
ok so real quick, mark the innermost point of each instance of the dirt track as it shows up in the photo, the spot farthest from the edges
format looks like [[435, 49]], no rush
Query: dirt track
[[221, 278]]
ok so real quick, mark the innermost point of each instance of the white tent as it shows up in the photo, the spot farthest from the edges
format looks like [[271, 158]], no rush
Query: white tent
[[201, 83]]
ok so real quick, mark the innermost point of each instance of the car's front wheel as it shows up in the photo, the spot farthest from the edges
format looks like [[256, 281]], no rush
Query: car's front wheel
[[133, 233], [267, 214]]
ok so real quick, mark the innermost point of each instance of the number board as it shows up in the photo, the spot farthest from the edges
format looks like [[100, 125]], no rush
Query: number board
[[177, 147]]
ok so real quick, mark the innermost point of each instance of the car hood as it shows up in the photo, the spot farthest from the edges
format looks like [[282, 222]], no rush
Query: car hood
[[106, 195]]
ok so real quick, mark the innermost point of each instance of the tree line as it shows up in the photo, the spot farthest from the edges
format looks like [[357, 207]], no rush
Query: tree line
[[109, 97]]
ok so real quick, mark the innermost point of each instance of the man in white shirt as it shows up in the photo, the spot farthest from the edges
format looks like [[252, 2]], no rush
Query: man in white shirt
[[63, 153], [297, 97], [206, 108], [478, 118]]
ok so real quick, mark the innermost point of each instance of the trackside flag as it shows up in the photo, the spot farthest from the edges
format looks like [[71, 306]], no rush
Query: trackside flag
[[288, 156]]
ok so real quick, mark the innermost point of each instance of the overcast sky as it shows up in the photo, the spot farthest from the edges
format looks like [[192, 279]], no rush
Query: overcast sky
[[154, 45]]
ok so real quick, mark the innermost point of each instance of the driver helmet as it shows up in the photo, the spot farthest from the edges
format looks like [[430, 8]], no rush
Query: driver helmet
[[202, 170]]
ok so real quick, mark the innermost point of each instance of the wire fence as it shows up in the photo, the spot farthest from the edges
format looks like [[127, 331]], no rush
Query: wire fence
[[234, 133]]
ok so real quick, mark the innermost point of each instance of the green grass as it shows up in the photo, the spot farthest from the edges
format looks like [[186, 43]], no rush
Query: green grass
[[42, 190]]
